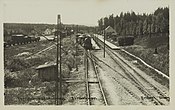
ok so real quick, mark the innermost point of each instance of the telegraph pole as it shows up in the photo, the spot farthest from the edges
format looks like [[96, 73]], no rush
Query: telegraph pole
[[104, 42], [76, 54], [60, 80], [56, 79], [59, 22], [94, 34], [103, 28]]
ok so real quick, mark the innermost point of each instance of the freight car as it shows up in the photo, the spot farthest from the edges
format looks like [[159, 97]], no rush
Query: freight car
[[18, 39], [125, 40]]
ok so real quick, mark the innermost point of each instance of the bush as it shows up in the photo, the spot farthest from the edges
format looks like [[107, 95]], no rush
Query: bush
[[10, 79], [17, 64], [19, 79]]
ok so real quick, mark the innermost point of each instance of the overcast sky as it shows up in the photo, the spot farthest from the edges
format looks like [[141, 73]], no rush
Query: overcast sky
[[83, 12]]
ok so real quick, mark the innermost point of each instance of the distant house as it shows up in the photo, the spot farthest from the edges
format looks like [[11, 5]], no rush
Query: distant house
[[110, 32], [48, 31], [47, 72], [54, 30]]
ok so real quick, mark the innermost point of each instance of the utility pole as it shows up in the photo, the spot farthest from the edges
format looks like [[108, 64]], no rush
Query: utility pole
[[59, 22], [56, 78], [76, 54], [60, 79], [94, 34], [103, 28], [104, 42]]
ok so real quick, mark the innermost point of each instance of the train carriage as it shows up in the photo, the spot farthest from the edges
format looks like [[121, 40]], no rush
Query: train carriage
[[85, 41], [125, 40], [18, 39]]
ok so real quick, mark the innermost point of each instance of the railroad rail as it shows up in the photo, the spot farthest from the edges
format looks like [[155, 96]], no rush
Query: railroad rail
[[91, 68], [146, 81], [137, 79]]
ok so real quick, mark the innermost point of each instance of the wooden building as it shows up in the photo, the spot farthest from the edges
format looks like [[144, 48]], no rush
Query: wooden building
[[111, 33], [47, 72]]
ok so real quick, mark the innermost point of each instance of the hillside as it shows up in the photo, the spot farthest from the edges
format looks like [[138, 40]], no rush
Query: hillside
[[145, 48]]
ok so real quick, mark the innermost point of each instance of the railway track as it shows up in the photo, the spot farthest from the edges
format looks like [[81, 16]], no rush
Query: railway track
[[94, 89], [114, 76], [150, 91]]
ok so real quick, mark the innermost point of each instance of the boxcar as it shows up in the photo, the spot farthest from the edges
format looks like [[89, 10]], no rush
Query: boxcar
[[125, 40]]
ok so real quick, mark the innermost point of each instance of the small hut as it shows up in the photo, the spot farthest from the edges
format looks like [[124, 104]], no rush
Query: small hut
[[47, 72]]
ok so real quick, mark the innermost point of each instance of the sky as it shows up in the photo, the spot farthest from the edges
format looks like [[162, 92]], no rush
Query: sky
[[82, 12]]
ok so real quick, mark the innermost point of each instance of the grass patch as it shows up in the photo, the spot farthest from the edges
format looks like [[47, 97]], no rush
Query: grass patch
[[145, 47], [21, 78]]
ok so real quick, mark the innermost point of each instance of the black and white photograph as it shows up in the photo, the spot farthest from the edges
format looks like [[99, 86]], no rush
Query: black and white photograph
[[86, 52]]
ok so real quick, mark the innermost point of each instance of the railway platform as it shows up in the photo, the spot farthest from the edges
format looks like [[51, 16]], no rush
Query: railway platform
[[94, 44], [112, 46]]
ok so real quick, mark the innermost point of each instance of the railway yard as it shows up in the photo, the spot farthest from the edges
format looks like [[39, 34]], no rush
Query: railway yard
[[89, 78], [88, 53]]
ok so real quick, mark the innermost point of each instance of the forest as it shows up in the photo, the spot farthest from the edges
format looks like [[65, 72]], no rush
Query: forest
[[130, 23]]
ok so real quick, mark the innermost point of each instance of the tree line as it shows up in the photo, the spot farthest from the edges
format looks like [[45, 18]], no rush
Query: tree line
[[33, 29], [130, 23], [25, 28]]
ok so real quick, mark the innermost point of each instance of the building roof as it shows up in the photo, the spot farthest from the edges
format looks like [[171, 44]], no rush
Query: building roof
[[45, 66], [54, 30], [110, 29], [17, 35]]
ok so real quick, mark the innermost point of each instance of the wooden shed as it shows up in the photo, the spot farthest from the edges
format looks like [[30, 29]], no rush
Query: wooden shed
[[47, 72]]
